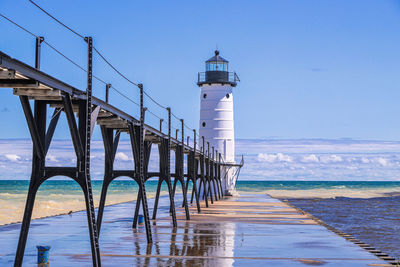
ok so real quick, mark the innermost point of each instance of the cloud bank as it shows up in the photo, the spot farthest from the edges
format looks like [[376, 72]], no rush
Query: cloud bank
[[352, 160]]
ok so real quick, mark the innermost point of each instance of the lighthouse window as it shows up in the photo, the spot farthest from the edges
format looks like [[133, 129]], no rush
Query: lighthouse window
[[204, 124], [205, 96], [227, 95], [216, 66]]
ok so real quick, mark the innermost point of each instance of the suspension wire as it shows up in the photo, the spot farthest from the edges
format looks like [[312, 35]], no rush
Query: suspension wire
[[125, 96], [133, 83], [48, 44], [73, 62], [67, 58], [81, 36], [155, 115], [187, 127], [64, 56], [19, 26], [175, 116], [100, 54], [114, 68], [48, 14], [155, 102], [184, 124]]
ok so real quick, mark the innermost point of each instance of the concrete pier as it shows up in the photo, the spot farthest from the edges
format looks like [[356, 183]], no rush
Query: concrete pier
[[250, 230]]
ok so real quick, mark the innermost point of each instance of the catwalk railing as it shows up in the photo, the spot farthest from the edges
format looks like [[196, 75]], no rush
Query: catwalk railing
[[32, 85]]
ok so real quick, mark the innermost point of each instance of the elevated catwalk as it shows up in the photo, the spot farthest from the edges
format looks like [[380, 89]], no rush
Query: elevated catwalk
[[83, 111], [251, 230]]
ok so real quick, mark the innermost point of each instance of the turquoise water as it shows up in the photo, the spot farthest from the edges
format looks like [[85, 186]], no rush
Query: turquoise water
[[61, 196], [308, 185], [69, 186]]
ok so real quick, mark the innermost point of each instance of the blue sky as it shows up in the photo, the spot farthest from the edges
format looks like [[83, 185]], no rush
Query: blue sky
[[309, 69]]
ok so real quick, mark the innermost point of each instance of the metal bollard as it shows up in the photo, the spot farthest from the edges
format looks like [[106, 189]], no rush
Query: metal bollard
[[141, 219], [43, 256]]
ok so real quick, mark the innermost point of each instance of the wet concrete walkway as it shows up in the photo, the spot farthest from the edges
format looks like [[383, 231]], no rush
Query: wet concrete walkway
[[250, 230]]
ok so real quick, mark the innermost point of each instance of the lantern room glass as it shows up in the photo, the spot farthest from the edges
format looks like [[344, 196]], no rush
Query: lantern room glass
[[216, 66]]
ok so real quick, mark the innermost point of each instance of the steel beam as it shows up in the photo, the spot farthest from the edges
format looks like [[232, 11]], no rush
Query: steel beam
[[51, 128], [33, 128], [87, 185]]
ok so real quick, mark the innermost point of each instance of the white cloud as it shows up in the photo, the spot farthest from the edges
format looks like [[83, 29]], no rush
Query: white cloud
[[121, 156], [364, 160], [382, 161], [331, 159], [310, 158], [352, 167], [264, 159], [52, 158], [279, 157], [13, 157], [284, 158]]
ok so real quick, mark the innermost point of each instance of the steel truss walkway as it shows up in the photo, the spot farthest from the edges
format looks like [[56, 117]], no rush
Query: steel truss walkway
[[46, 92]]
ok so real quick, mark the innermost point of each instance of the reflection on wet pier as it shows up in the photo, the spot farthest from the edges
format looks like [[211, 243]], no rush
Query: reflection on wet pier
[[244, 231]]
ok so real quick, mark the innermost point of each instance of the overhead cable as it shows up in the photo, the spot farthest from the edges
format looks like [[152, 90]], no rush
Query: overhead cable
[[99, 53]]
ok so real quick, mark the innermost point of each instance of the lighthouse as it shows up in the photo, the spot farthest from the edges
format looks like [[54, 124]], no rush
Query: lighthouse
[[216, 115]]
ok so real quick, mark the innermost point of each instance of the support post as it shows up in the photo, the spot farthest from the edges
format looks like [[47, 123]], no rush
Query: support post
[[219, 174], [194, 173], [213, 174], [142, 190], [38, 51], [88, 186], [164, 176], [108, 86], [110, 147], [41, 172], [216, 172], [204, 175], [208, 171], [184, 191], [168, 170], [38, 122], [52, 128], [194, 165]]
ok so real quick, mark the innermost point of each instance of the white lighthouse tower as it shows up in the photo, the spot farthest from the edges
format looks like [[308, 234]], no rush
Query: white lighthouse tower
[[216, 115]]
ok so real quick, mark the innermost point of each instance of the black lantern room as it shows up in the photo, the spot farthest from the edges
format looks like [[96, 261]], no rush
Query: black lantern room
[[217, 72]]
